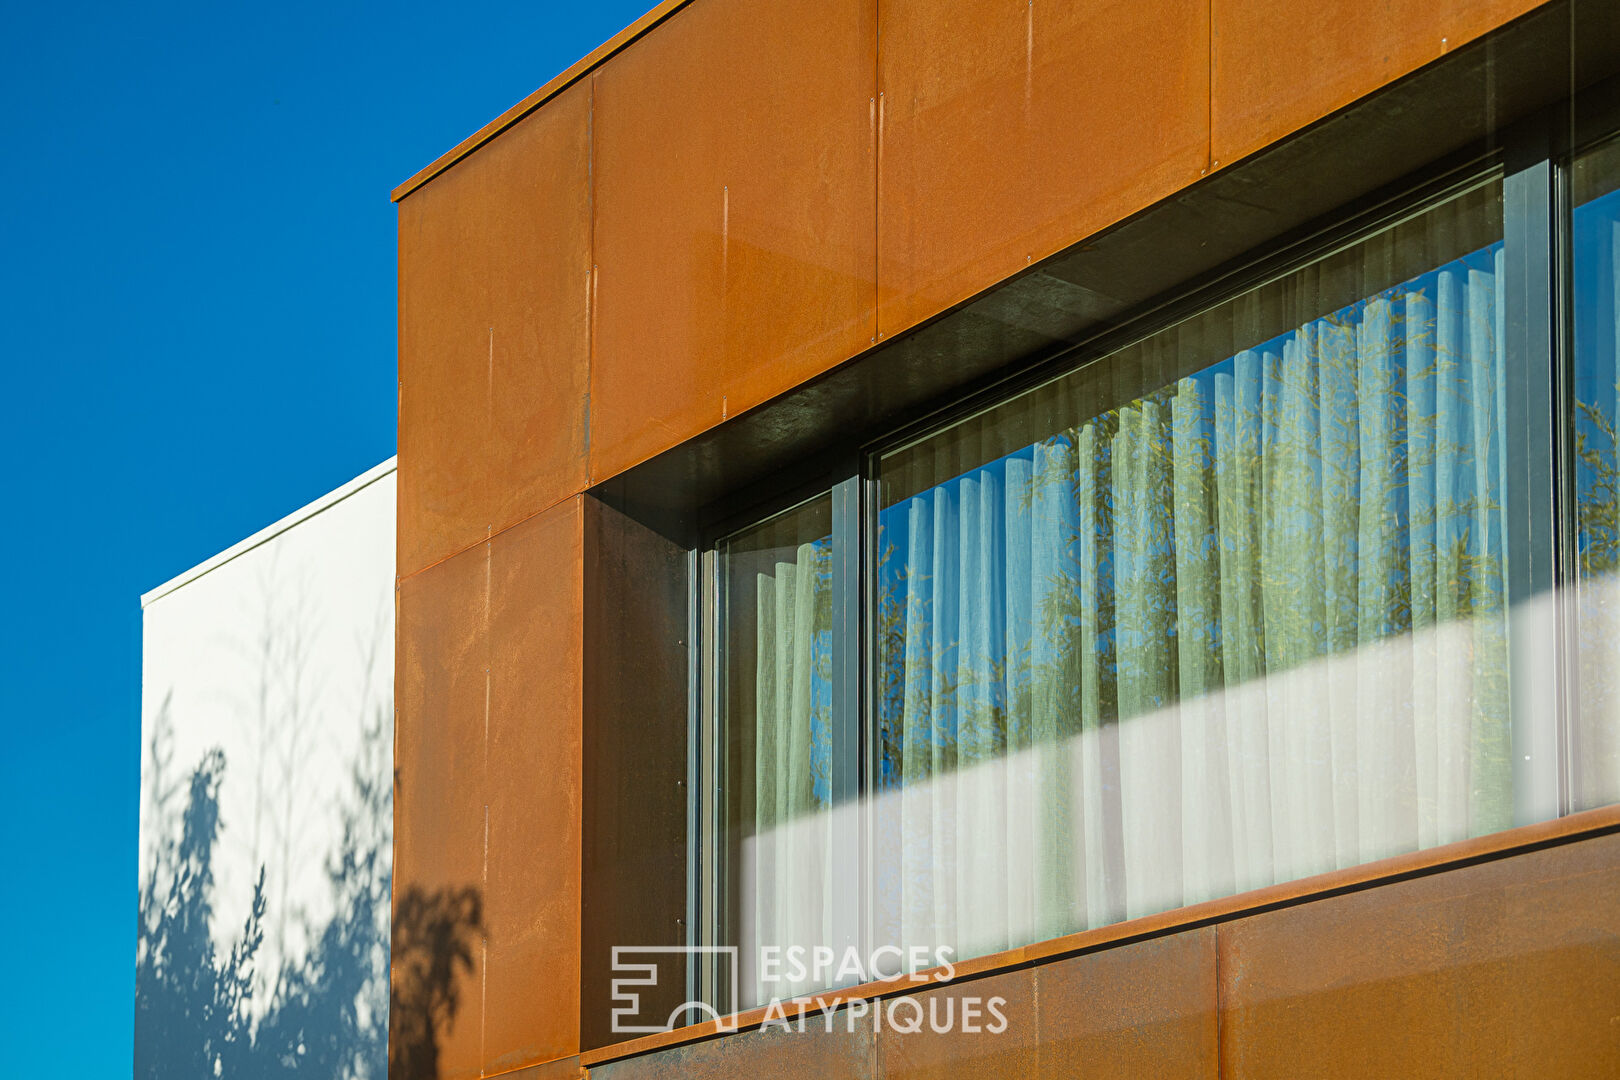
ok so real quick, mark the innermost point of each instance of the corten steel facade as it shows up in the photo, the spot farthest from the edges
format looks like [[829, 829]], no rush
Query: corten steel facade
[[744, 231]]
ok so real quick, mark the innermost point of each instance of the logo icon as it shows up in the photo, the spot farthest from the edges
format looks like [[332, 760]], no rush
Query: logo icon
[[626, 995]]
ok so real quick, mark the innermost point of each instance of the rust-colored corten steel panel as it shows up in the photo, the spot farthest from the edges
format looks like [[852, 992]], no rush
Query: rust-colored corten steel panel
[[494, 334], [1011, 129], [988, 1047], [734, 219], [1507, 967], [1147, 1009], [487, 811], [531, 1012], [443, 653], [561, 1069], [1279, 66], [1511, 968], [844, 1053]]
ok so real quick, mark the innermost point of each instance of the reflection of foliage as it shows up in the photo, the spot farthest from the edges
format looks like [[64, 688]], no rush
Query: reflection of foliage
[[1594, 757], [1596, 765], [1598, 511], [1329, 490], [1307, 534], [891, 650], [328, 1014], [821, 676]]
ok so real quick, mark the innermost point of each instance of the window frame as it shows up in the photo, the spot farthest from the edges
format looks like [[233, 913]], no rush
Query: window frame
[[1532, 159]]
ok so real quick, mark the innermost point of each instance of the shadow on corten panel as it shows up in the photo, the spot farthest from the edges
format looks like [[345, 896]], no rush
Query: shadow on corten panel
[[432, 959]]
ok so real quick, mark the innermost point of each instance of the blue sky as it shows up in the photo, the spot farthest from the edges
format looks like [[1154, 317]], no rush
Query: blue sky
[[197, 332]]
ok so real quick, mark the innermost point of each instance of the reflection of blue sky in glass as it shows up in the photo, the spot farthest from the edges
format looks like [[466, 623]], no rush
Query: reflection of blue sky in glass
[[821, 653], [1595, 757], [1245, 627], [1596, 240], [789, 678], [821, 717], [1408, 433]]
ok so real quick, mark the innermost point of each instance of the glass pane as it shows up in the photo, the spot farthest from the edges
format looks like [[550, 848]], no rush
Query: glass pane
[[1595, 749], [1222, 609], [776, 581]]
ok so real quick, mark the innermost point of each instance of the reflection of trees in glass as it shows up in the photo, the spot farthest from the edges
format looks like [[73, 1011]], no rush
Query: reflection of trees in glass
[[1333, 488], [1596, 759], [1598, 498], [821, 678], [890, 648], [1595, 234]]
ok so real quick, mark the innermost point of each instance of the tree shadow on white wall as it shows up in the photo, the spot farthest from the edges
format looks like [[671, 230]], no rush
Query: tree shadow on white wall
[[196, 1011]]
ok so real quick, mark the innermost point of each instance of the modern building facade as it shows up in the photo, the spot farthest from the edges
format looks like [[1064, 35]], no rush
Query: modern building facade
[[1010, 538], [266, 823]]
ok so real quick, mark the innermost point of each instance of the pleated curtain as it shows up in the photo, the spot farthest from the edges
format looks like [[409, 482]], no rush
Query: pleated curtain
[[1244, 628], [787, 882]]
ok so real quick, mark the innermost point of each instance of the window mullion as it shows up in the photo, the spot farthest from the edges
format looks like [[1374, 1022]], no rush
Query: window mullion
[[707, 779], [1529, 320], [1566, 568], [696, 777], [846, 710]]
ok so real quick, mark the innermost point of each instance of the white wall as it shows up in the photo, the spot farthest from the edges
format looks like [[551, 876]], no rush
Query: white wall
[[280, 654]]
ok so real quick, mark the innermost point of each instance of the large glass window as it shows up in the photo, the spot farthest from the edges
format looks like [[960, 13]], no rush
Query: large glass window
[[781, 885], [1595, 758], [1263, 589], [1223, 608]]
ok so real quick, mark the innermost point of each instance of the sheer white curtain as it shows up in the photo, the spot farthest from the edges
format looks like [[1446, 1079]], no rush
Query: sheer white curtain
[[1244, 628], [787, 880]]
